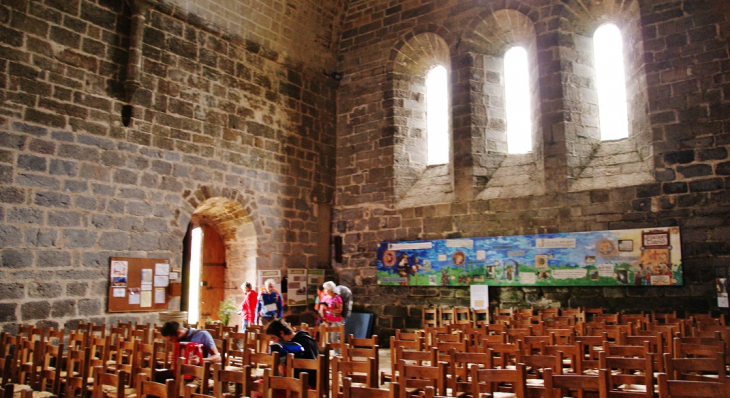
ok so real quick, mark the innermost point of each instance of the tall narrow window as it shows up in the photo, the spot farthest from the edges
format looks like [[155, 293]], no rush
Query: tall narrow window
[[517, 101], [437, 116], [196, 245], [610, 83]]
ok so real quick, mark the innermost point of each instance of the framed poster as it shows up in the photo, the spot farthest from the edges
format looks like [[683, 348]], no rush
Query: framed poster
[[297, 287]]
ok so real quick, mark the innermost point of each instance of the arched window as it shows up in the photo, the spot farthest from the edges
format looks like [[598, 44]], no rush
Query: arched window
[[517, 101], [610, 83], [437, 116]]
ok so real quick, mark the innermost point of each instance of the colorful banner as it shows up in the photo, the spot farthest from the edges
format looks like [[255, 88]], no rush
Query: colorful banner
[[638, 257]]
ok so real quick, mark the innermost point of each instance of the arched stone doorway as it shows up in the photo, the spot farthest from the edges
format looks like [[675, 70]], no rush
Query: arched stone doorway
[[226, 250]]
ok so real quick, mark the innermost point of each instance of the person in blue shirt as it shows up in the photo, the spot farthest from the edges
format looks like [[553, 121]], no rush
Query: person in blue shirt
[[173, 332], [270, 306]]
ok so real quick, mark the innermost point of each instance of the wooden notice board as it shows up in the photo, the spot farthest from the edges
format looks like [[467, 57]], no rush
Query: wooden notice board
[[139, 284]]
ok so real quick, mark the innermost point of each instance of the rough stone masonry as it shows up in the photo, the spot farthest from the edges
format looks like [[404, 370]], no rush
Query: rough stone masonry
[[239, 119]]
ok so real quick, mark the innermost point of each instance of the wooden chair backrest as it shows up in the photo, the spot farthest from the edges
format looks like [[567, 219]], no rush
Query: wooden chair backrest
[[422, 376], [291, 386], [490, 380], [565, 383], [623, 371], [318, 368], [695, 368], [202, 373], [362, 371], [222, 379], [692, 389], [350, 391], [146, 388]]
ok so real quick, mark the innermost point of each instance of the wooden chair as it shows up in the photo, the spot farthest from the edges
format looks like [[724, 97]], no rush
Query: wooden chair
[[430, 317], [535, 366], [566, 384], [692, 389], [590, 313], [365, 371], [292, 387], [75, 378], [414, 377], [350, 391], [259, 360], [109, 385], [50, 373], [459, 365], [697, 347], [222, 379], [629, 377], [701, 369], [327, 334], [446, 316], [504, 355], [493, 380], [572, 355], [418, 344], [185, 373], [420, 358], [317, 368], [480, 317], [146, 388], [359, 349], [462, 316]]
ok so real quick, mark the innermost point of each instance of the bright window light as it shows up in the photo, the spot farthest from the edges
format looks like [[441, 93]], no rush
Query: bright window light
[[517, 101], [196, 245], [437, 116], [610, 83]]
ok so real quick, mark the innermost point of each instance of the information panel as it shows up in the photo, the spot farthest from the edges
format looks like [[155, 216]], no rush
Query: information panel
[[638, 257]]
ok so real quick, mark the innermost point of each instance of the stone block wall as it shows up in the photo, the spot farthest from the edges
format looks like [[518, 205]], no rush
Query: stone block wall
[[679, 64], [222, 126]]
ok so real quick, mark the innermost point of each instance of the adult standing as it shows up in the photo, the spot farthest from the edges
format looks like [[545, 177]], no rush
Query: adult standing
[[270, 305], [346, 295], [248, 306], [332, 308]]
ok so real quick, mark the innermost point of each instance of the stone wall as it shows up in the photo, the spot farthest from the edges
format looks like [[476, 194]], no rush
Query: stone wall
[[305, 31], [223, 128], [679, 78]]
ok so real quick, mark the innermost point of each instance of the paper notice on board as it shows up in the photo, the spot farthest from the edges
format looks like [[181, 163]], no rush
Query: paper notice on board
[[118, 292], [145, 299], [160, 295], [162, 269], [479, 297], [146, 276], [161, 280], [134, 296]]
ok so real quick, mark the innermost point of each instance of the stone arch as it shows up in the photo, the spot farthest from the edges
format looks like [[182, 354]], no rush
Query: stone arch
[[411, 58], [586, 153], [491, 173], [229, 213]]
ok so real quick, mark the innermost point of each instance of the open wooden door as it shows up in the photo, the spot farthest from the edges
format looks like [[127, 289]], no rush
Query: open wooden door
[[212, 274]]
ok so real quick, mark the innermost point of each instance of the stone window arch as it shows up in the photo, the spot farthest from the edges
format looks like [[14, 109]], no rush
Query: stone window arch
[[593, 163], [414, 180], [491, 171]]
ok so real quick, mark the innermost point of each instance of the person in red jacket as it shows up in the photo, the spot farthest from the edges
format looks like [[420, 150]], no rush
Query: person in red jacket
[[248, 306]]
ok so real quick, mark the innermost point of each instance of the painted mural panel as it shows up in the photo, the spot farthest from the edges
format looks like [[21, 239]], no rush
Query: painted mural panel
[[638, 257]]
